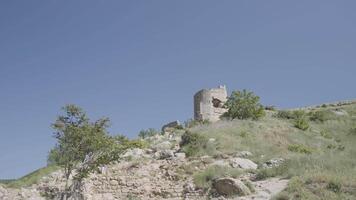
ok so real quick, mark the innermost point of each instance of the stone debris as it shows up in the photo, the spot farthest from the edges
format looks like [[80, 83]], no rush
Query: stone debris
[[242, 163], [171, 126], [273, 163]]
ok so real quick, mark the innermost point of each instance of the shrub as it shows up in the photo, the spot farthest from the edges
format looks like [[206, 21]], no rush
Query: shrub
[[320, 115], [265, 173], [148, 133], [299, 148], [288, 114], [249, 185], [325, 134], [352, 131], [126, 143], [334, 186], [193, 143], [301, 123], [272, 108], [244, 105], [284, 114], [203, 179]]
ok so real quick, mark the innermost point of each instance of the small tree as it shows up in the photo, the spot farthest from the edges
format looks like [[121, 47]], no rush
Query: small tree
[[81, 146], [244, 105]]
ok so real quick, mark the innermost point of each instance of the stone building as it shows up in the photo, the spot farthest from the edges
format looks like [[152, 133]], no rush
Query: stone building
[[208, 104]]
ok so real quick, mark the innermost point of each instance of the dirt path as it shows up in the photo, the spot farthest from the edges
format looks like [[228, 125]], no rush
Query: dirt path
[[266, 189]]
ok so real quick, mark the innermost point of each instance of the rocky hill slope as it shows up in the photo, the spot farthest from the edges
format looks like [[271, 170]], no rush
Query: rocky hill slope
[[274, 157]]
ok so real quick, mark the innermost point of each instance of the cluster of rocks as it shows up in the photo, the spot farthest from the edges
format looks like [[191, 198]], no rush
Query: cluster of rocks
[[273, 163], [152, 173]]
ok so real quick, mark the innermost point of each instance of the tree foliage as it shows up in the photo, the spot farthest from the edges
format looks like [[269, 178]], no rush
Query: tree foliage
[[82, 145], [244, 105]]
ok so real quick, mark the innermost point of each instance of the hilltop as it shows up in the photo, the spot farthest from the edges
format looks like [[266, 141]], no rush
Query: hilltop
[[277, 156]]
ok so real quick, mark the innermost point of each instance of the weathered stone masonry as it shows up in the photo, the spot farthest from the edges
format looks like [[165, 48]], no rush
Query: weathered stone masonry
[[208, 104]]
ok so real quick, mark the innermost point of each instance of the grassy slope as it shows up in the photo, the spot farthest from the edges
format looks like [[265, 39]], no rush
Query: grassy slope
[[329, 172], [30, 178]]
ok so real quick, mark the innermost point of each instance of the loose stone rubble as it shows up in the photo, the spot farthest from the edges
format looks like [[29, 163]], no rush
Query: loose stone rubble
[[155, 173]]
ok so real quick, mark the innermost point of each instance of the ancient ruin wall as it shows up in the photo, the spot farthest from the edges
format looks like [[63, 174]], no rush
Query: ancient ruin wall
[[208, 104]]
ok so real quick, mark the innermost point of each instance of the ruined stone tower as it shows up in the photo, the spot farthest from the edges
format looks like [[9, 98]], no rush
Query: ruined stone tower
[[208, 104]]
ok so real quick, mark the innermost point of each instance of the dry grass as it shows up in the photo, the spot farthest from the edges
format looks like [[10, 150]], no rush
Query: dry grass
[[321, 160]]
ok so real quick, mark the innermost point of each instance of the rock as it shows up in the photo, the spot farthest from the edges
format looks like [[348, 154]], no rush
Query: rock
[[180, 156], [230, 187], [163, 145], [242, 163], [340, 112], [211, 140], [188, 187], [164, 154], [206, 159], [171, 125], [243, 154], [149, 151], [2, 192], [273, 163], [221, 163], [133, 153]]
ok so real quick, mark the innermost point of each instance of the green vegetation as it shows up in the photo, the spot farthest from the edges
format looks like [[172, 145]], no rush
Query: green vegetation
[[301, 123], [321, 115], [299, 118], [299, 148], [320, 160], [265, 173], [31, 178], [148, 133], [203, 179], [81, 146], [191, 123], [244, 105], [195, 144]]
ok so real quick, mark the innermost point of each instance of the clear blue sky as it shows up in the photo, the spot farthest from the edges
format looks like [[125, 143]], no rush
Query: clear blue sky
[[140, 62]]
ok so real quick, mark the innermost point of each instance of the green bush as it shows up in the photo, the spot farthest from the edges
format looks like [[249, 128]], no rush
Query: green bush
[[325, 134], [301, 123], [265, 173], [334, 186], [272, 108], [289, 114], [193, 143], [352, 131], [320, 115], [203, 179], [126, 143], [244, 105], [299, 148], [284, 114], [148, 133]]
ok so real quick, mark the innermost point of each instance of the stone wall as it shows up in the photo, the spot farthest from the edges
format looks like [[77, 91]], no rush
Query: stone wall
[[208, 104], [145, 180]]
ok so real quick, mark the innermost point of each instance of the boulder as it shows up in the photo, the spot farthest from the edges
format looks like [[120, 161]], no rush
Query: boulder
[[230, 187], [2, 192], [164, 154], [275, 162], [180, 156], [163, 145], [242, 163], [133, 153], [171, 126]]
